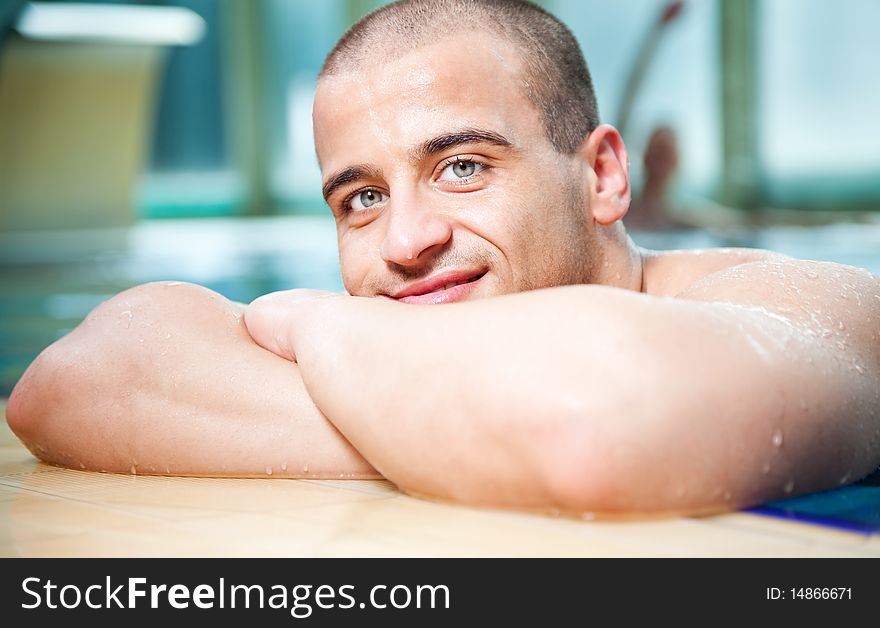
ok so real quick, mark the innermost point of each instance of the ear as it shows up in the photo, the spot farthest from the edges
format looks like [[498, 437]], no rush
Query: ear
[[609, 192]]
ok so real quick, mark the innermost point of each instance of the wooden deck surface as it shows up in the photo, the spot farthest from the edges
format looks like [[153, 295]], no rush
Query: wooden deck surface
[[46, 511]]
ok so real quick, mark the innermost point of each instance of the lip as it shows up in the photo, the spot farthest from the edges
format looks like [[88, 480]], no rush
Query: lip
[[431, 291]]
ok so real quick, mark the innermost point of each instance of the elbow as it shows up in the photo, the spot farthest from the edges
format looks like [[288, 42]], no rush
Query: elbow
[[76, 400], [29, 406], [596, 483], [613, 470], [17, 416], [56, 391], [571, 455], [576, 472], [590, 463]]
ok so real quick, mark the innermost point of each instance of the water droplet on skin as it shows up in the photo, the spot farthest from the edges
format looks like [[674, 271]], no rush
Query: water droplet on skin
[[167, 336], [859, 368], [305, 468], [766, 468], [342, 475], [167, 469], [812, 275], [843, 480], [840, 325], [133, 470], [268, 470], [82, 466], [789, 486], [777, 438], [284, 466], [128, 316]]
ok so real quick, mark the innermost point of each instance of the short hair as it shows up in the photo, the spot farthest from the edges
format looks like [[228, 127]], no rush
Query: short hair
[[555, 75]]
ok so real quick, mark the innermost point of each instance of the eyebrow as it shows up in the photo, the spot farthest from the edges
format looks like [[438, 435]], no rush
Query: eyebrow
[[352, 173], [423, 150], [457, 138]]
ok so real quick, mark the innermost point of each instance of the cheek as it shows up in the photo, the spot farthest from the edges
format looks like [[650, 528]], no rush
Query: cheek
[[487, 218], [498, 227], [352, 275], [544, 239], [354, 263]]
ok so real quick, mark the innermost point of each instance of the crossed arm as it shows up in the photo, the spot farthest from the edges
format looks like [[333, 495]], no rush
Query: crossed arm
[[165, 379], [581, 398]]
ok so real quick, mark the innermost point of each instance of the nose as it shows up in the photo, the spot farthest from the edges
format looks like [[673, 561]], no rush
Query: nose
[[412, 231]]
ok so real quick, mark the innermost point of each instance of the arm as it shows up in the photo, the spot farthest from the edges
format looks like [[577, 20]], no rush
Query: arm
[[588, 398], [164, 379]]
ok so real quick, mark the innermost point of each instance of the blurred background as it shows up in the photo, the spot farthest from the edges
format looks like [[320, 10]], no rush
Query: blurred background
[[172, 140]]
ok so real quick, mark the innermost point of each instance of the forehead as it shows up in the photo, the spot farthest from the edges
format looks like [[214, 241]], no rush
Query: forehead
[[385, 106]]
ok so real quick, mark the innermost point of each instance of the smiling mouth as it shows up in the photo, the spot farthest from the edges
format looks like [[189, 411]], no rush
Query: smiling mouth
[[453, 287], [461, 283]]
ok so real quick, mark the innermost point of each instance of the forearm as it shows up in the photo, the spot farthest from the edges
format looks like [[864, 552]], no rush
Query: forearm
[[470, 402], [166, 380], [586, 398]]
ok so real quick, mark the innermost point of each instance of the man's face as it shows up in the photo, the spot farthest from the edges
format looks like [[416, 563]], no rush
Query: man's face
[[442, 181]]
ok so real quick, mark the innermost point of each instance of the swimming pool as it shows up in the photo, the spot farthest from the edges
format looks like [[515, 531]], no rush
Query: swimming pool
[[50, 281]]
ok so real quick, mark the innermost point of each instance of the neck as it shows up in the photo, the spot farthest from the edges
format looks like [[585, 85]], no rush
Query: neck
[[621, 264]]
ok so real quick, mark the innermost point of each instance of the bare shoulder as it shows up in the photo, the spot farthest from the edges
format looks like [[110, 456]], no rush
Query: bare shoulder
[[829, 301], [802, 354], [669, 273], [753, 276]]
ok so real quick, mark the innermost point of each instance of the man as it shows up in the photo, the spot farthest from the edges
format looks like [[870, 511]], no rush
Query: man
[[462, 159]]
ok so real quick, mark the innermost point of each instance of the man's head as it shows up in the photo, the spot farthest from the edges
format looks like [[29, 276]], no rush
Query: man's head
[[459, 142], [554, 75]]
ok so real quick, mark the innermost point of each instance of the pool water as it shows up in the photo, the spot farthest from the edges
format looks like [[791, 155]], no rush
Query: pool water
[[50, 281]]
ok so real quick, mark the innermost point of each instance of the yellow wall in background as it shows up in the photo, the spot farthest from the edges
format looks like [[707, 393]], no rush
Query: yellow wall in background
[[75, 119]]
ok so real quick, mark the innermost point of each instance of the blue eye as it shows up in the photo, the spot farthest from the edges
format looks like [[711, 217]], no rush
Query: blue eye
[[461, 169], [365, 200], [464, 168]]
